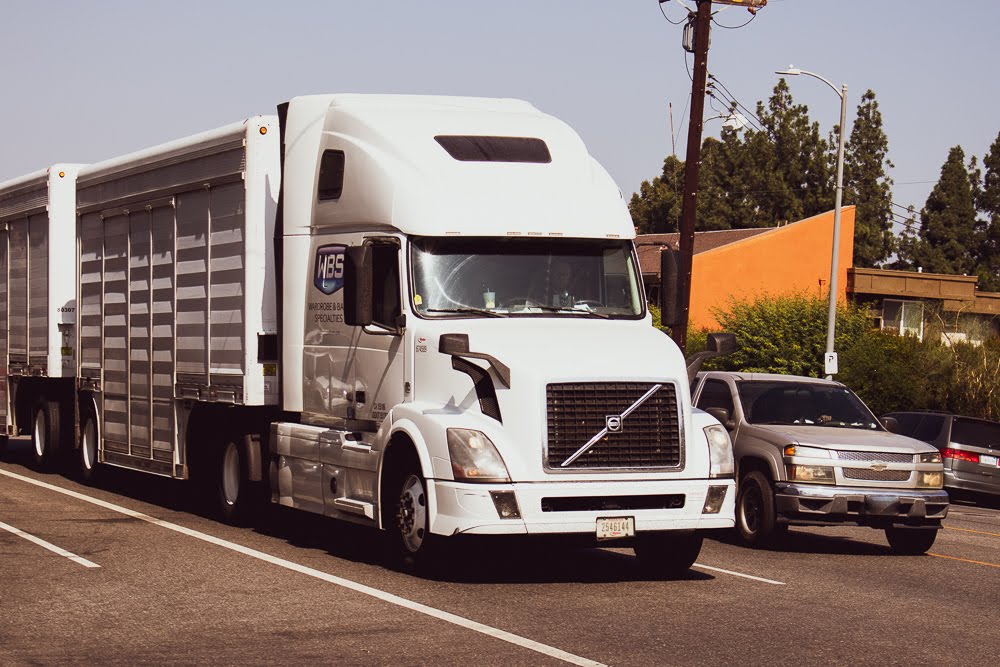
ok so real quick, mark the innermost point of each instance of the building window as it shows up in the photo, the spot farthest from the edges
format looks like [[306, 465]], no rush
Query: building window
[[904, 317]]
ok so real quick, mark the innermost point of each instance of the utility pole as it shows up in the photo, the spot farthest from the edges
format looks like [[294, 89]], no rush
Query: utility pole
[[692, 164]]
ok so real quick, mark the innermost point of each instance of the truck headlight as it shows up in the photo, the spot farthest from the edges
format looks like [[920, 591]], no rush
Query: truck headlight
[[811, 474], [930, 480], [720, 451], [474, 457], [930, 457]]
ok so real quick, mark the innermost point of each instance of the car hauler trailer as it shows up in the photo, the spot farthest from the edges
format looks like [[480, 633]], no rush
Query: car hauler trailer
[[435, 326], [37, 307]]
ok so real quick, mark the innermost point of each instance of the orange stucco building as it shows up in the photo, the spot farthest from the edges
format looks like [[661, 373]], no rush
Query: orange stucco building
[[742, 264]]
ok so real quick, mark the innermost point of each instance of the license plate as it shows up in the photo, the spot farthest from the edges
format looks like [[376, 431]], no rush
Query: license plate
[[613, 528], [987, 460]]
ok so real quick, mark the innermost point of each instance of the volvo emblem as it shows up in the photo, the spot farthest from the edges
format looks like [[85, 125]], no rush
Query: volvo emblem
[[613, 423]]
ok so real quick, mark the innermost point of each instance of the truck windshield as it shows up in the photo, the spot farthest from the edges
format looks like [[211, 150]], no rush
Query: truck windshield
[[804, 403], [508, 277]]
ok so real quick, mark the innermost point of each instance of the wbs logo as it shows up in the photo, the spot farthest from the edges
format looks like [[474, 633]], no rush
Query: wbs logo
[[328, 274]]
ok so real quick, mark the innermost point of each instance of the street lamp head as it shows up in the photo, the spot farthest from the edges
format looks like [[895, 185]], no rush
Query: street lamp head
[[791, 71]]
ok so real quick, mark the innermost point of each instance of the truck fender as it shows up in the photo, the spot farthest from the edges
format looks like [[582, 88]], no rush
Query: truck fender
[[408, 429]]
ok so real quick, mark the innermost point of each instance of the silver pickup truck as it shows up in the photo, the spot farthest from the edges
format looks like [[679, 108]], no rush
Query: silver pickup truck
[[810, 453]]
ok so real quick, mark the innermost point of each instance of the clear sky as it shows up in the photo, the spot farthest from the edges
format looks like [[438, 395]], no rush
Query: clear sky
[[86, 81]]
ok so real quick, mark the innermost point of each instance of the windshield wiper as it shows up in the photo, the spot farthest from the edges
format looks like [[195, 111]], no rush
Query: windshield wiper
[[467, 311], [572, 311]]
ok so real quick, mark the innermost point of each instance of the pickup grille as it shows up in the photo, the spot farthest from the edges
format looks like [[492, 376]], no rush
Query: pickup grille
[[877, 475], [885, 457], [650, 436]]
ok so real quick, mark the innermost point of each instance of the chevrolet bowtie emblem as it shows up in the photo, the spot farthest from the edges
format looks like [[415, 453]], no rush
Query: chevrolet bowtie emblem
[[879, 467]]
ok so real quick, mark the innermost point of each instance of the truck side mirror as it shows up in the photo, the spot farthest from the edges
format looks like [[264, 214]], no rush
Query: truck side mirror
[[721, 343], [358, 304], [890, 424], [669, 281]]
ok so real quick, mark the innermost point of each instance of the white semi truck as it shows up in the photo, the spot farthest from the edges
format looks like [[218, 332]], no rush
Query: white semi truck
[[423, 314]]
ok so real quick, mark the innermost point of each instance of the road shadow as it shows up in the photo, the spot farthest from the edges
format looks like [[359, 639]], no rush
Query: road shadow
[[465, 559], [803, 542]]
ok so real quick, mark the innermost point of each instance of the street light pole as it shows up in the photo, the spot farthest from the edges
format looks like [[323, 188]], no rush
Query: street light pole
[[831, 320]]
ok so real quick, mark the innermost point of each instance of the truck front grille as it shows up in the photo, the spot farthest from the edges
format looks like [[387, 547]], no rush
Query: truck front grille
[[650, 436], [877, 475]]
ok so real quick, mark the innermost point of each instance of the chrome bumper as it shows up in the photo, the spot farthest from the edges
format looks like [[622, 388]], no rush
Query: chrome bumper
[[827, 504]]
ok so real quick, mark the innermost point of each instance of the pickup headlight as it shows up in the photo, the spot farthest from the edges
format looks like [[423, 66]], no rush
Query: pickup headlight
[[720, 451], [930, 480], [474, 457], [811, 474], [807, 452], [930, 457]]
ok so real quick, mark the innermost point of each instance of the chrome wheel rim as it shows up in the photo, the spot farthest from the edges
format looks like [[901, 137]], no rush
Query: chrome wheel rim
[[411, 517], [39, 434], [231, 474], [750, 509], [89, 445]]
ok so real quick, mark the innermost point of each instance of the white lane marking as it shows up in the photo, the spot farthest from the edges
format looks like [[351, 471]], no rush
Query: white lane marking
[[80, 560], [735, 574], [448, 617]]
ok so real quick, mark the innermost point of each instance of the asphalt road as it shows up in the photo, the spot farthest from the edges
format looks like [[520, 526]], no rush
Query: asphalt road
[[129, 573]]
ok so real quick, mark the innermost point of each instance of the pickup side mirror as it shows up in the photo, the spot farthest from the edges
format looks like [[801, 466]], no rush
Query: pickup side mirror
[[358, 304], [723, 416], [669, 282], [890, 424]]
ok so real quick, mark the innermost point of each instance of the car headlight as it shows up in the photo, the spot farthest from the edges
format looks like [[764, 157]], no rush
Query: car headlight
[[811, 474], [474, 457], [930, 457], [930, 480], [807, 452], [720, 451]]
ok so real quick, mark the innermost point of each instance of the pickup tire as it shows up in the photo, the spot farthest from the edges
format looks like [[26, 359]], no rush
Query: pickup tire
[[667, 555], [910, 541], [756, 518]]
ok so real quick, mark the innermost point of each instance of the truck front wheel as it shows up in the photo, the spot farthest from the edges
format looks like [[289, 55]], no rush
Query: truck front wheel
[[411, 543], [664, 555], [755, 513], [910, 541]]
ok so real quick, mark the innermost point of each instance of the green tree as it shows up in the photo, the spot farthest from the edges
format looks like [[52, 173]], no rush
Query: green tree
[[867, 185], [989, 203], [656, 208], [948, 230]]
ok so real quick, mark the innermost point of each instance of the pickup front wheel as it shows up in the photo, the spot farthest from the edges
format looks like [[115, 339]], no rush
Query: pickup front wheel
[[755, 513], [910, 541]]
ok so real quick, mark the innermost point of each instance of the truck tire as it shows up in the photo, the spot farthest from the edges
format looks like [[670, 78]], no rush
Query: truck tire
[[233, 490], [88, 467], [45, 434], [910, 541], [410, 542], [755, 513], [667, 556]]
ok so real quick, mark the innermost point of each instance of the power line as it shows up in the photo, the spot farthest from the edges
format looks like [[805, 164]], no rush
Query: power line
[[668, 18], [734, 27]]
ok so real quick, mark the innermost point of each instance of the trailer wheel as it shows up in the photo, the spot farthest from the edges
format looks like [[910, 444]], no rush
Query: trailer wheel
[[89, 467], [44, 433], [411, 544], [667, 556], [910, 541], [233, 490]]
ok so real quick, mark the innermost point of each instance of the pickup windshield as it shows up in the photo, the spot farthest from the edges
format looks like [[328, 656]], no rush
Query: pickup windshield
[[804, 404], [514, 277]]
